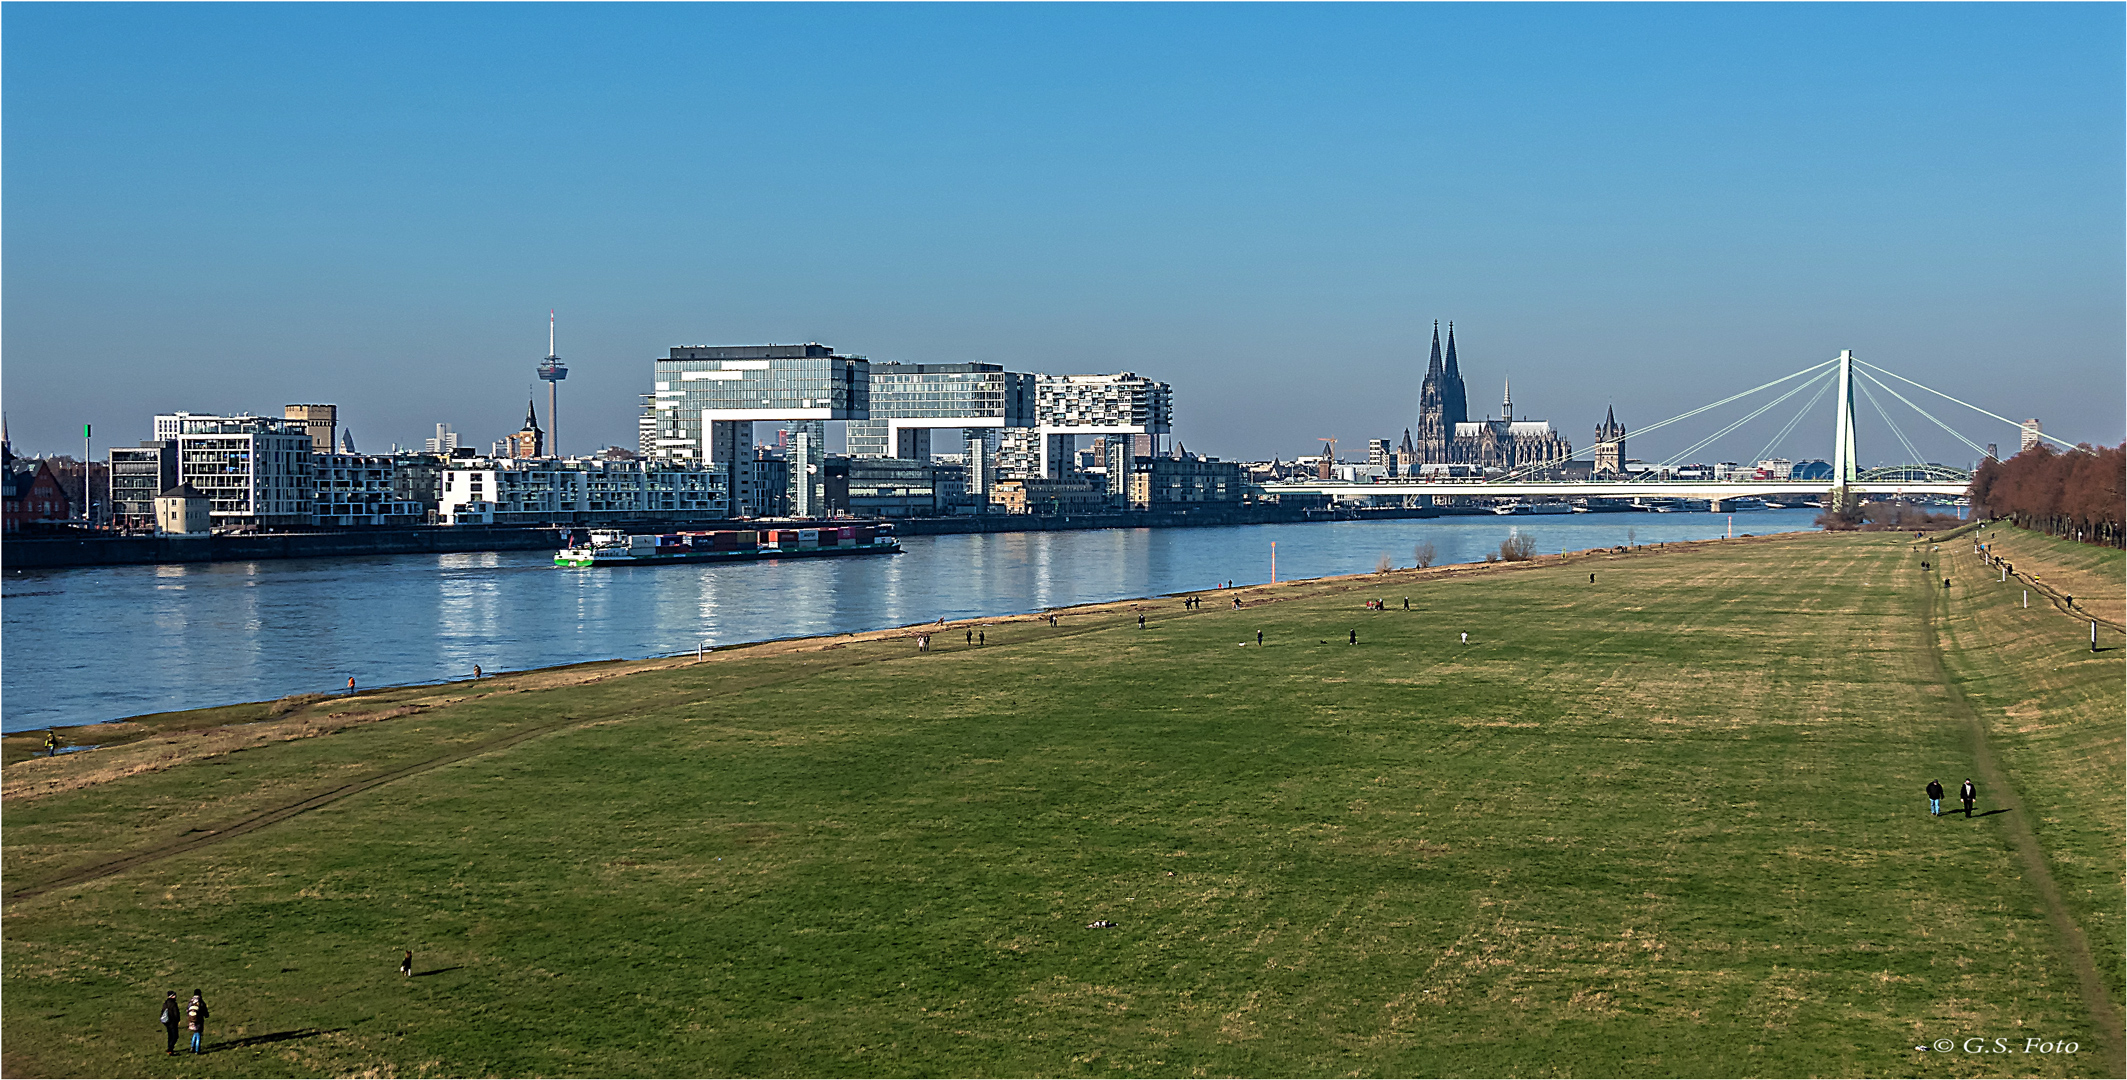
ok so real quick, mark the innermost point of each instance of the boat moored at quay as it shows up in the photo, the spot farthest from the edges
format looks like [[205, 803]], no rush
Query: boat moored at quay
[[613, 548]]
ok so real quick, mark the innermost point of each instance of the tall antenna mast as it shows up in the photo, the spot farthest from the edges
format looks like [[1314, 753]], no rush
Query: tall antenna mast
[[552, 371]]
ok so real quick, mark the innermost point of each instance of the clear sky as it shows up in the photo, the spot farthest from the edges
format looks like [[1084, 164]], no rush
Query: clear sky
[[227, 208]]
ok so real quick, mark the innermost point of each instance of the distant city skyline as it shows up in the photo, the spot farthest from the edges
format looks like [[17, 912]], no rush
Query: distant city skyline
[[232, 208]]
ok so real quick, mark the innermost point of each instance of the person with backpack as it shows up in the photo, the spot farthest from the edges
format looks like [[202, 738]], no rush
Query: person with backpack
[[196, 1018], [1935, 797], [172, 1015]]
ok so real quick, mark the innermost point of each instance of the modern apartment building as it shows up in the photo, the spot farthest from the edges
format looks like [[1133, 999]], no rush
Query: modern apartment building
[[361, 489], [255, 471], [1067, 406], [138, 475], [707, 399], [579, 491]]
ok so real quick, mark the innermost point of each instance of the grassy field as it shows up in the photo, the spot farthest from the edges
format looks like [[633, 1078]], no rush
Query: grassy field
[[1666, 823]]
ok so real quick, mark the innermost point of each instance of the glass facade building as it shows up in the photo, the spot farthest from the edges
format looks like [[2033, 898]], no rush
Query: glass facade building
[[908, 400], [254, 470], [707, 398]]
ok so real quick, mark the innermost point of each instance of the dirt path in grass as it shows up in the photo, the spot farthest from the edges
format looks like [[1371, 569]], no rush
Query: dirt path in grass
[[2075, 949], [263, 818]]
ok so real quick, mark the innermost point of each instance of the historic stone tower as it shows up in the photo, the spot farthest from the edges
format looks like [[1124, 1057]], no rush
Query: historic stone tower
[[1610, 445]]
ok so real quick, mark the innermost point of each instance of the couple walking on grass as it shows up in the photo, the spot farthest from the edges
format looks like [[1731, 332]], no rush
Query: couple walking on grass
[[1968, 794], [192, 1014]]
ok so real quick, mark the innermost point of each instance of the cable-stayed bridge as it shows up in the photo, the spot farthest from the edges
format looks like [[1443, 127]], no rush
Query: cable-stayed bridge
[[1845, 372]]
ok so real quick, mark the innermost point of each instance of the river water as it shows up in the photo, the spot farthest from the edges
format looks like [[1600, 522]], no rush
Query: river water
[[100, 643]]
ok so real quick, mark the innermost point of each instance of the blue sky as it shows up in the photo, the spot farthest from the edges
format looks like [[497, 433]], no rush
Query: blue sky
[[232, 207]]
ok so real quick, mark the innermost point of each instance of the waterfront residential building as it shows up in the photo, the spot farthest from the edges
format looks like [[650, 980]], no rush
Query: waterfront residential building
[[707, 399], [183, 511], [579, 491], [1068, 406], [1163, 483], [138, 475], [1038, 495], [254, 470], [351, 490], [319, 420]]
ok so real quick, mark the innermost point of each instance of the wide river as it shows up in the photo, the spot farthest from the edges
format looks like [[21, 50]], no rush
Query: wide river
[[93, 644]]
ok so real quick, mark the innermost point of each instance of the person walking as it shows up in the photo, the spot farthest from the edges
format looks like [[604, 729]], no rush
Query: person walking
[[173, 1014], [982, 637], [1236, 603], [1355, 637], [196, 1018], [350, 684], [971, 636], [51, 744], [1465, 637], [1935, 797], [406, 966], [1967, 794], [1406, 603], [1259, 639], [1140, 622]]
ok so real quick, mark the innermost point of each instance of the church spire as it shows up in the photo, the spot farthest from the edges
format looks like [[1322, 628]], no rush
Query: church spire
[[531, 417], [1453, 371], [1506, 403], [1432, 368]]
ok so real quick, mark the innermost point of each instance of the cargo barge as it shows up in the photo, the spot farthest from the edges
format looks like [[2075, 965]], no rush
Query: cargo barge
[[607, 548]]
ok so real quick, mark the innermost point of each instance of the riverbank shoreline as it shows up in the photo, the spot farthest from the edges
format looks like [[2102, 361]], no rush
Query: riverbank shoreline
[[187, 734]]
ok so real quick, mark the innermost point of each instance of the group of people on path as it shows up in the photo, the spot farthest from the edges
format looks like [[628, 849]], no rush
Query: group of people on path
[[1967, 794], [192, 1014]]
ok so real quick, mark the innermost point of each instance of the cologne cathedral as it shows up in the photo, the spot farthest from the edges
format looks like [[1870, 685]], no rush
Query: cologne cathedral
[[1447, 435]]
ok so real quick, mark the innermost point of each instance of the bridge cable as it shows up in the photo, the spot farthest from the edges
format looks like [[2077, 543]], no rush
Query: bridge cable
[[1954, 433], [1912, 453], [1966, 404], [1747, 418], [1541, 465], [1799, 414]]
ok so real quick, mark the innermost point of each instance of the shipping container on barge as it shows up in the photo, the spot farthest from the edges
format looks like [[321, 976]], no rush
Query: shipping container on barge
[[607, 548]]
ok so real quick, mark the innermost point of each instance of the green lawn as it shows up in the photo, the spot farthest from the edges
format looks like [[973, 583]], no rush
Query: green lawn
[[1669, 823]]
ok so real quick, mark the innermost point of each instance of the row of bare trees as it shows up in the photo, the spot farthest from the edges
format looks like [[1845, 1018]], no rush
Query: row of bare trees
[[2080, 494]]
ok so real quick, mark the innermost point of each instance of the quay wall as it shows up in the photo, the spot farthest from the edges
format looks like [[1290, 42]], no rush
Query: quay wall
[[48, 552]]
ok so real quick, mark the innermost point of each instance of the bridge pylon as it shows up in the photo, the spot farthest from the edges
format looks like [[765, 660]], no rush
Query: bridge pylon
[[1844, 470]]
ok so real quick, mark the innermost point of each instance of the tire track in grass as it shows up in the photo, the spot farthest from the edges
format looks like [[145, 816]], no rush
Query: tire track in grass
[[2074, 948], [94, 871]]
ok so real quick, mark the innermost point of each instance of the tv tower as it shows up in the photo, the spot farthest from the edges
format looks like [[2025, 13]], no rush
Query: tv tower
[[552, 370]]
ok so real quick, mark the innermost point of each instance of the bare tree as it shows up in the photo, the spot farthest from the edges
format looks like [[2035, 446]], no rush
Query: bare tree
[[1426, 554], [1517, 547]]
